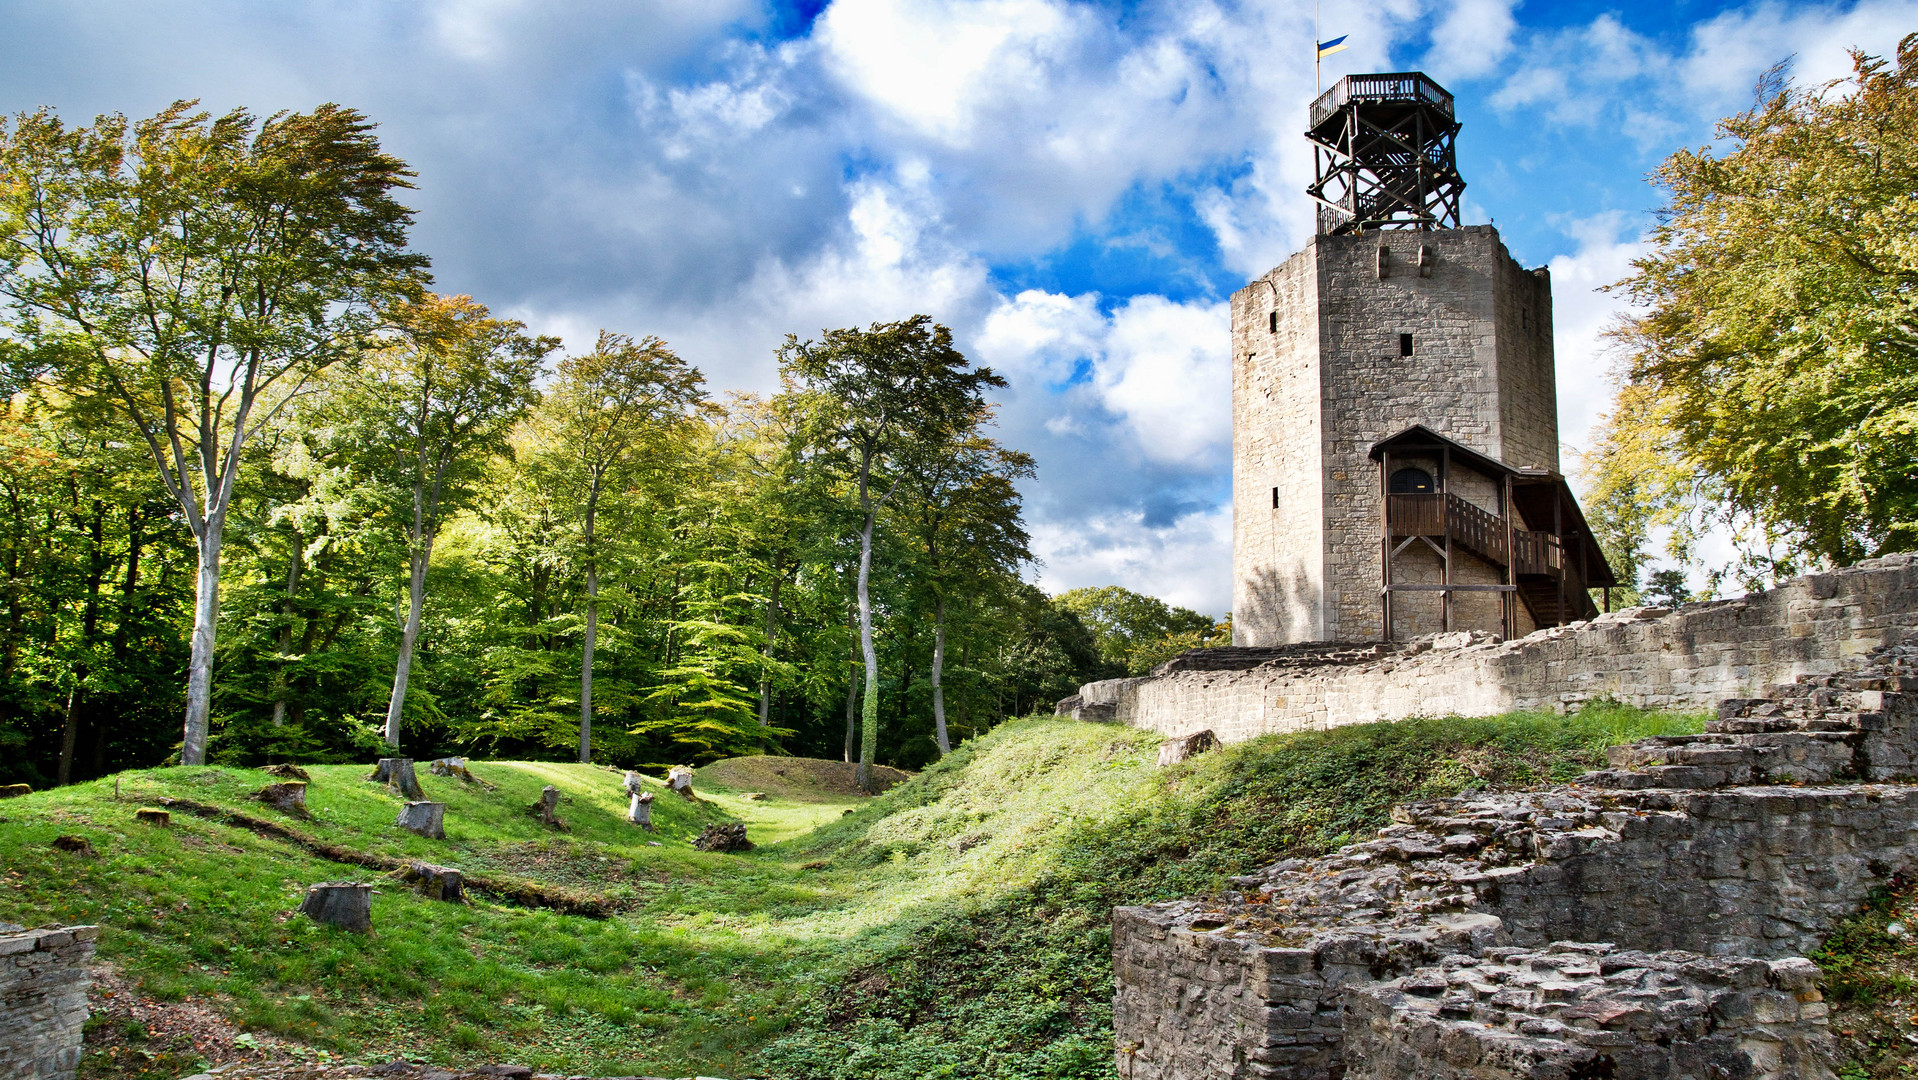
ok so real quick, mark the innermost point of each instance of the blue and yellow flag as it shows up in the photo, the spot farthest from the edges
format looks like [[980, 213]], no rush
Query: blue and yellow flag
[[1337, 44]]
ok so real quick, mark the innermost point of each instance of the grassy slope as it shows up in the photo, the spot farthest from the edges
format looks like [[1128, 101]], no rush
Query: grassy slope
[[955, 926]]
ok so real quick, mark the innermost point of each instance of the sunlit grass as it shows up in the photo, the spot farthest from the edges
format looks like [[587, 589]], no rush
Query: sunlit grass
[[1039, 826]]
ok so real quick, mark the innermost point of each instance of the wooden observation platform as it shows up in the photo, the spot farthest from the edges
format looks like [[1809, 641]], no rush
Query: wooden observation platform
[[1383, 155]]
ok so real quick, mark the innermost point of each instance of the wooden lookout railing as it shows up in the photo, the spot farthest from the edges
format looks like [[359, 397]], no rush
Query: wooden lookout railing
[[1410, 87]]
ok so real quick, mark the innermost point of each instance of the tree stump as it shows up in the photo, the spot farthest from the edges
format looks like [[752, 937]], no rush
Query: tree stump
[[288, 798], [1173, 751], [397, 774], [286, 772], [153, 815], [345, 904], [729, 837], [547, 808], [14, 791], [641, 811], [436, 882], [456, 766], [680, 780], [428, 819], [79, 845]]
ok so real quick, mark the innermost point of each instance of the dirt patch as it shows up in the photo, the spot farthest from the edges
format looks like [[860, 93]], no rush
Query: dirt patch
[[131, 1035], [797, 778], [563, 862]]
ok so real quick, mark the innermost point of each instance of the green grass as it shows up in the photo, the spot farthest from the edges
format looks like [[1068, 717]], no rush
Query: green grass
[[956, 926]]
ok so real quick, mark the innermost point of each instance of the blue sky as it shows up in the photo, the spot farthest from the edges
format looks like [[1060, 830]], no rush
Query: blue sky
[[1074, 187]]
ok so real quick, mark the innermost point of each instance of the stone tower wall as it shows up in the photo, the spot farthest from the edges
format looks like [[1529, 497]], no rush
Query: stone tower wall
[[1278, 521], [1331, 382]]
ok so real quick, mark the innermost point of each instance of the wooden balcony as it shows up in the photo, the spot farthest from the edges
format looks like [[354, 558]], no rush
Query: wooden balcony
[[1396, 88], [1445, 516]]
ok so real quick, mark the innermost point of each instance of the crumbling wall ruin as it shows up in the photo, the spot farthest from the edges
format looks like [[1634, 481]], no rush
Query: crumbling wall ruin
[[1685, 659], [43, 1000], [1647, 922]]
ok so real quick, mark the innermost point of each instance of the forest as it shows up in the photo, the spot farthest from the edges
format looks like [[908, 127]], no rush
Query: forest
[[270, 498]]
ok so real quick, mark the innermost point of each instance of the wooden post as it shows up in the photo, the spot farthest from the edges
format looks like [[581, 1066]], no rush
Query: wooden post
[[1445, 515], [1558, 534], [1385, 546], [1510, 512]]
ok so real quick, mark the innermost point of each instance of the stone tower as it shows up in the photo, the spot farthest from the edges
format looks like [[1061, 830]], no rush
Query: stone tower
[[1394, 318]]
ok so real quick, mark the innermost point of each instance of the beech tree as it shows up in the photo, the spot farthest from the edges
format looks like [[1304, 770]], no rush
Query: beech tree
[[1772, 382], [429, 410], [195, 272], [965, 514], [607, 418], [873, 400]]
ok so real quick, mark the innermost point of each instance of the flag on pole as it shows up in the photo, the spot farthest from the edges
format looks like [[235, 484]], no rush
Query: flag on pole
[[1337, 44]]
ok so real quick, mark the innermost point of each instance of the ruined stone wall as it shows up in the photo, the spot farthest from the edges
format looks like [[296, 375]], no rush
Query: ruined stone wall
[[1645, 924], [43, 1000], [1688, 659]]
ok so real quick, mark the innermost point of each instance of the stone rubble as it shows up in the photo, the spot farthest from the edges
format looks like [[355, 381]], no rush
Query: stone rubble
[[1710, 843]]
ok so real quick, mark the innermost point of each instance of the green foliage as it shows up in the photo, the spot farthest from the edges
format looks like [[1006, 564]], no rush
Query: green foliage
[[1870, 966], [1772, 388], [1136, 632]]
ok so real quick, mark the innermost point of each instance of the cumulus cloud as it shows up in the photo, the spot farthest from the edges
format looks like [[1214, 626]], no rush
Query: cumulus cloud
[[1581, 315], [1472, 38]]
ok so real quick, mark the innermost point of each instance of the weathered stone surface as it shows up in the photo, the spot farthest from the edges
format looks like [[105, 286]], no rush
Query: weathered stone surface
[[43, 1000], [397, 774], [1590, 1010], [1268, 981], [1318, 377], [426, 819], [1690, 659], [345, 904], [1173, 751], [723, 837]]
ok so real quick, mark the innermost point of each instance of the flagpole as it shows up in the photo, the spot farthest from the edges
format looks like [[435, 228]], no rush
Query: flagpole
[[1318, 80]]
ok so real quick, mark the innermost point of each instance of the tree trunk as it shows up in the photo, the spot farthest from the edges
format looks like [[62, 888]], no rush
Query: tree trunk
[[206, 621], [592, 631], [69, 736], [869, 735], [938, 672], [397, 773], [415, 601], [772, 633], [295, 564], [852, 696]]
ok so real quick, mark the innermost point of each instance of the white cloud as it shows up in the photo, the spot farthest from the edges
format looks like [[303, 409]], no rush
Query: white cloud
[[1185, 564], [1580, 316], [1158, 369], [1167, 370], [1472, 38]]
